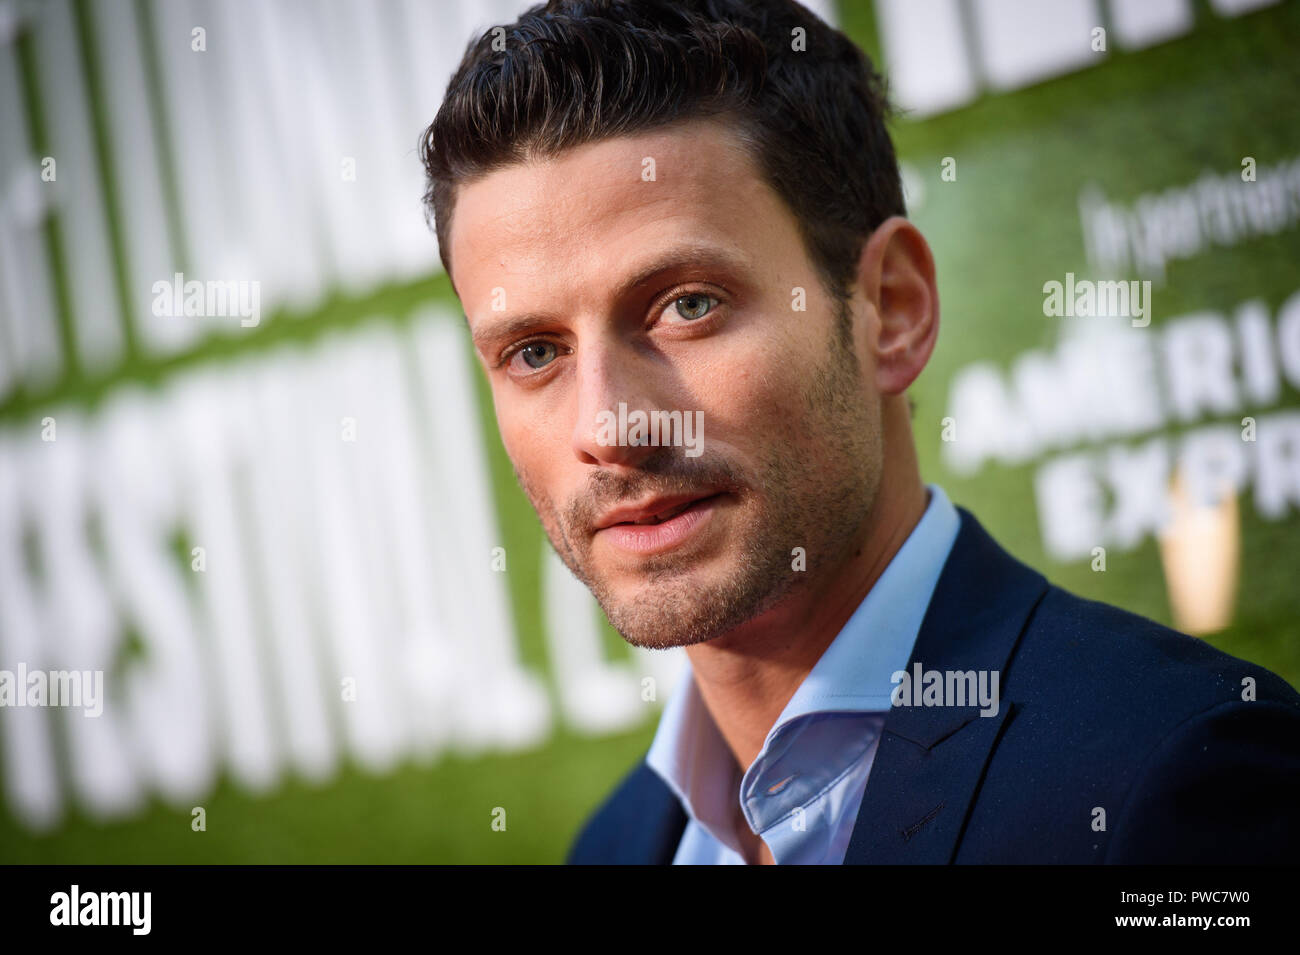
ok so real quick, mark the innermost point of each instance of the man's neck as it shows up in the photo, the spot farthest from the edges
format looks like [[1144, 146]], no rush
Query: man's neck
[[747, 676]]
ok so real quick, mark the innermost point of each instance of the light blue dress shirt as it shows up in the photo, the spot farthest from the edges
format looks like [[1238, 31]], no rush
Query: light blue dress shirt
[[802, 793]]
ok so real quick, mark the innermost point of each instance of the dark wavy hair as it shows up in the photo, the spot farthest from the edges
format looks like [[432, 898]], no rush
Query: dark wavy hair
[[570, 72]]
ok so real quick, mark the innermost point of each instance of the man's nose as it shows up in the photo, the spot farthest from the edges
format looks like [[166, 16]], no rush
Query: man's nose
[[611, 384]]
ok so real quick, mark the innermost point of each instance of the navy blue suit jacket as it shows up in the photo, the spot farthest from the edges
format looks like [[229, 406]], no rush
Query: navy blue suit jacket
[[1100, 710]]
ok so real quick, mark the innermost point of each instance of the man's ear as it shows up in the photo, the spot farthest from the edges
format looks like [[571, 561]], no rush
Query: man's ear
[[896, 274]]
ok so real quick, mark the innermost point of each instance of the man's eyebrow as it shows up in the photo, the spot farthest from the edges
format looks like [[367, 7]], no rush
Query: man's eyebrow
[[676, 259], [507, 328], [683, 257]]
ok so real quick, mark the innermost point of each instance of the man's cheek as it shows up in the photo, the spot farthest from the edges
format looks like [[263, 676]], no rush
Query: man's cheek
[[523, 440], [754, 391]]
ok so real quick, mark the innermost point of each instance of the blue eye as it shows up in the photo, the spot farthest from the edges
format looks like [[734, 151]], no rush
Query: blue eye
[[694, 305], [538, 354]]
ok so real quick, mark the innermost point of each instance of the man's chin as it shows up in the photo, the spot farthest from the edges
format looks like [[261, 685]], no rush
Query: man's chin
[[679, 607]]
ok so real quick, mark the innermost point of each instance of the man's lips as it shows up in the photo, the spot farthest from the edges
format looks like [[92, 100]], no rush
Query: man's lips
[[652, 511], [648, 535]]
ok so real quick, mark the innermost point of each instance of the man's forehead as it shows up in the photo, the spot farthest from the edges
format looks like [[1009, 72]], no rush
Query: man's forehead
[[523, 217]]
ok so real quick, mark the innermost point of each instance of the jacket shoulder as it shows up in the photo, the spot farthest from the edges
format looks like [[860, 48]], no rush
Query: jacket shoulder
[[1140, 663], [1192, 754], [639, 823]]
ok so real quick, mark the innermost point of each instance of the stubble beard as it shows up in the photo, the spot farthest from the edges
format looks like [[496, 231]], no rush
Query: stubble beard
[[819, 504]]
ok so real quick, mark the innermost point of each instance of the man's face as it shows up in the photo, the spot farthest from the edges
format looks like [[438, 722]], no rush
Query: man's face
[[660, 271]]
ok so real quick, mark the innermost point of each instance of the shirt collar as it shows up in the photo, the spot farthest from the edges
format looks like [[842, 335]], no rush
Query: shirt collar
[[853, 675], [855, 670]]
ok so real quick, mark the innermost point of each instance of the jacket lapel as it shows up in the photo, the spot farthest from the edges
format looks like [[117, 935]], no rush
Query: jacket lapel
[[930, 759]]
